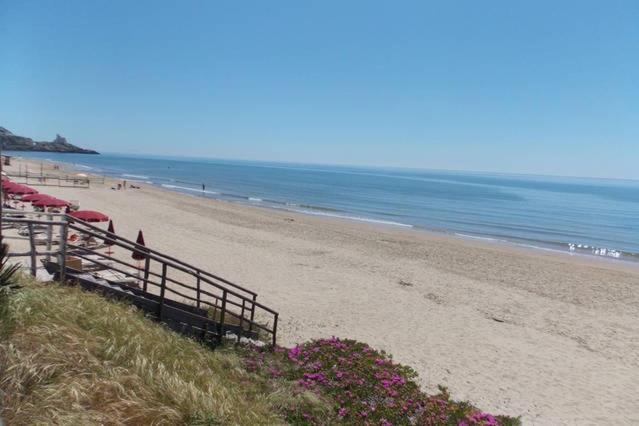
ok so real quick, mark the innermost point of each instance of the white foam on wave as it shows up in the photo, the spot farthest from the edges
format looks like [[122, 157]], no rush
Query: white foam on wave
[[82, 166], [185, 188], [135, 176], [255, 199], [356, 218], [476, 237], [532, 246]]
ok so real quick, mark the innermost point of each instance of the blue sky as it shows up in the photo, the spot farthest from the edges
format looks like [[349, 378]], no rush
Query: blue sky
[[547, 87]]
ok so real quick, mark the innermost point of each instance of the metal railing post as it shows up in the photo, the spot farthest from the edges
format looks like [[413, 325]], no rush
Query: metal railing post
[[198, 289], [32, 250], [220, 324], [275, 330], [63, 250], [49, 237], [162, 288], [147, 265], [252, 314], [239, 334]]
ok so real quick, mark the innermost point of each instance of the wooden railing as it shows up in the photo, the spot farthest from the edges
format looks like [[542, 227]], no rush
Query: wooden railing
[[162, 277]]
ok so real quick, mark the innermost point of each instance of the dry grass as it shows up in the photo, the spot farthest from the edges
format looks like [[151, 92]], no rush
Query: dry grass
[[72, 357]]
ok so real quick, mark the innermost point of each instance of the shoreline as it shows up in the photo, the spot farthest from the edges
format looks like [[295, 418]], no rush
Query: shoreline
[[514, 330], [630, 259]]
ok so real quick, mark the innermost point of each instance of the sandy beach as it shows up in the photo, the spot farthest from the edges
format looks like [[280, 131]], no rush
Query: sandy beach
[[548, 336]]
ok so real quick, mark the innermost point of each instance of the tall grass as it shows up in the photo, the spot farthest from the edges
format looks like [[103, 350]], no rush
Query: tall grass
[[72, 357]]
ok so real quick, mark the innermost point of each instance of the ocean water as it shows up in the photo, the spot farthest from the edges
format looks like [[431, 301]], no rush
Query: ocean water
[[580, 215]]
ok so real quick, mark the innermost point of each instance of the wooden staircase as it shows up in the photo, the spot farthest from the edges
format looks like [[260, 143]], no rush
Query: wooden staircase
[[185, 298]]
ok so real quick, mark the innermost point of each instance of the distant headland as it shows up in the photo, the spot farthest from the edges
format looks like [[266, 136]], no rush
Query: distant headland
[[11, 142]]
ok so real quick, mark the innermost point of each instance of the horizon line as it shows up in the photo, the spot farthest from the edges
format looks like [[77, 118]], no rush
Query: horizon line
[[302, 163]]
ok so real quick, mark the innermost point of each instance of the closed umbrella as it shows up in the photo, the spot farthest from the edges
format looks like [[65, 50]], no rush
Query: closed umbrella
[[89, 216], [108, 241], [139, 255]]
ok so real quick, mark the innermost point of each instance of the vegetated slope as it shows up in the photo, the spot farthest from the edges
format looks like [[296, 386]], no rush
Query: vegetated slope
[[72, 357]]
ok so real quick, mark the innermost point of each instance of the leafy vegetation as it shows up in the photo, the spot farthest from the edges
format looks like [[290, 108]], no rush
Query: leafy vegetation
[[363, 385], [7, 271]]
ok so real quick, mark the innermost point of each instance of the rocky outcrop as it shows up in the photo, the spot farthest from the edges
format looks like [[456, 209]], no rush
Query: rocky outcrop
[[11, 142]]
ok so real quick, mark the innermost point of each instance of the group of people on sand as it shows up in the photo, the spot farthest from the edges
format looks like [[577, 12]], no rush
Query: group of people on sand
[[123, 186]]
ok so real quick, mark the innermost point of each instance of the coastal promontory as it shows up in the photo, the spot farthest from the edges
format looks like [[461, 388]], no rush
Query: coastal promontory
[[11, 142]]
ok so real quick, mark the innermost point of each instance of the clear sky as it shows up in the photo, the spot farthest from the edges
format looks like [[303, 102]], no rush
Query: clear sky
[[548, 87]]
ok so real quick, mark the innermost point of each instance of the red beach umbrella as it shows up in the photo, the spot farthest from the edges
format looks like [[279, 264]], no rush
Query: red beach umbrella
[[137, 254], [35, 197], [89, 216], [50, 202], [18, 189], [8, 186]]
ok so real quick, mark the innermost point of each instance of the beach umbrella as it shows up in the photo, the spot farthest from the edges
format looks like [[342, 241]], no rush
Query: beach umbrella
[[19, 189], [139, 255], [108, 241], [89, 216], [7, 184], [30, 198], [50, 202]]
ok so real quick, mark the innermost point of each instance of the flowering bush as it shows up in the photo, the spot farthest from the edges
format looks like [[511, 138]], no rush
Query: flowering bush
[[364, 386]]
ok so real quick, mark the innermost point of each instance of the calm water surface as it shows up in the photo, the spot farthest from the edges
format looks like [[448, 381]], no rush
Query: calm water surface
[[596, 215]]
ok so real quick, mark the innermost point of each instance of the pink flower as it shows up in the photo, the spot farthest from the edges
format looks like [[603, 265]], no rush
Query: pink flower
[[342, 412], [293, 353]]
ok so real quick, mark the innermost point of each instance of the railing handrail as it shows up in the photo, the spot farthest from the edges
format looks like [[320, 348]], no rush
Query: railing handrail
[[248, 302], [153, 254], [239, 317], [116, 237], [145, 249]]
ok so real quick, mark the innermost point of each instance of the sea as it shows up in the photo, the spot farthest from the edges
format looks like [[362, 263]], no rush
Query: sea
[[586, 216]]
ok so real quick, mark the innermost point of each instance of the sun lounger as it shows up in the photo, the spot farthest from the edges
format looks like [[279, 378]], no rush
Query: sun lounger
[[117, 277]]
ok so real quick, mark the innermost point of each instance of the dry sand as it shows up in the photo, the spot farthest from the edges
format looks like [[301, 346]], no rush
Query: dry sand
[[551, 337]]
